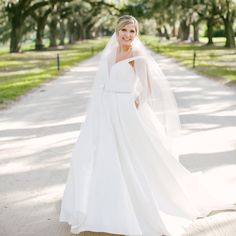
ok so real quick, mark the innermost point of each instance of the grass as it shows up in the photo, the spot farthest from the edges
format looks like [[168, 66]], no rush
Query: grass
[[21, 72], [213, 61]]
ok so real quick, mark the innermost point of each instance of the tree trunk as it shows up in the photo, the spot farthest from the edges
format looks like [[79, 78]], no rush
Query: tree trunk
[[196, 31], [71, 29], [16, 34], [210, 31], [173, 32], [166, 33], [39, 33], [184, 30], [89, 33], [159, 31], [229, 33], [77, 32], [53, 32], [62, 33], [83, 33]]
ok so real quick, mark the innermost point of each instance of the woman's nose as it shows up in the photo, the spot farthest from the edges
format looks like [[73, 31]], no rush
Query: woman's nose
[[127, 34]]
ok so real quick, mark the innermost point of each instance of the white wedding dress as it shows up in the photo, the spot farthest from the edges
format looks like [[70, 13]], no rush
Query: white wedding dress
[[123, 180]]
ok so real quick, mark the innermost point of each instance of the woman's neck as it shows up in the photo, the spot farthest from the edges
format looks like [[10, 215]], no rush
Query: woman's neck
[[125, 48]]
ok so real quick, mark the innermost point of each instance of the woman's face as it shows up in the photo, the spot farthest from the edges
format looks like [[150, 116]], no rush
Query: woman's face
[[126, 35]]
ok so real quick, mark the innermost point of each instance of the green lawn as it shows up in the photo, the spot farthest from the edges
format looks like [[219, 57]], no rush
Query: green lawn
[[20, 72], [214, 61]]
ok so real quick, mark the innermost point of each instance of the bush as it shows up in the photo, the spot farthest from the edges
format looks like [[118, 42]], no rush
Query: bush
[[218, 31]]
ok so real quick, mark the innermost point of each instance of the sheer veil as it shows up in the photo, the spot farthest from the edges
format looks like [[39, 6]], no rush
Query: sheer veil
[[138, 178], [152, 86]]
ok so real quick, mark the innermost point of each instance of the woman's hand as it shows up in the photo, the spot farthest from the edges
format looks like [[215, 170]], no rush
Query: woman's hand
[[137, 102]]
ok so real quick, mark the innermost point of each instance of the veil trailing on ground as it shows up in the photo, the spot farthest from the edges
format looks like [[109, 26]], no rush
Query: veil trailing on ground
[[152, 86]]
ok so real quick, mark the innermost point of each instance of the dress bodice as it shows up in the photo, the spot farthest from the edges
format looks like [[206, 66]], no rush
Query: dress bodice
[[122, 77]]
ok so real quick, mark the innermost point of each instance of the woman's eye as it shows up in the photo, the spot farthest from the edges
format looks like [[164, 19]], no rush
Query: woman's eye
[[123, 30], [132, 31]]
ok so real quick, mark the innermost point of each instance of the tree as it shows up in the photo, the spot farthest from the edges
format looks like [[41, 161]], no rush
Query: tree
[[214, 10], [40, 16], [86, 17], [59, 11], [4, 24], [227, 12], [17, 12], [207, 12]]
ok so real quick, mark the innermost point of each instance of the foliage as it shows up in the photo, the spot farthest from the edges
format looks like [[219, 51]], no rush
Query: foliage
[[77, 19], [23, 17]]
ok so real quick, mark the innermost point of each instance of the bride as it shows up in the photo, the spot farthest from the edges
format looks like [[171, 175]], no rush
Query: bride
[[125, 177]]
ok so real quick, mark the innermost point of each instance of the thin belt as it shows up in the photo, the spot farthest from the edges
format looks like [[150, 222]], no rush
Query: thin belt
[[113, 91]]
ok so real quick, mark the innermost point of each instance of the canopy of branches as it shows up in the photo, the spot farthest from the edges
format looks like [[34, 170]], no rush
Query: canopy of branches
[[67, 21]]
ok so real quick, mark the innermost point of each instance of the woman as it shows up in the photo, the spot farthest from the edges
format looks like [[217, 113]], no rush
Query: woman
[[124, 176]]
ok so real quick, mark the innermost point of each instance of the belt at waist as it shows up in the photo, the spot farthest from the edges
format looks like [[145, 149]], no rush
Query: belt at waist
[[115, 91]]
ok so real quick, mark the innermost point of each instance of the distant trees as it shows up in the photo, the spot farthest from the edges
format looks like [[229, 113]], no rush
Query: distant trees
[[17, 12], [76, 19], [221, 11], [226, 9], [40, 17], [190, 14]]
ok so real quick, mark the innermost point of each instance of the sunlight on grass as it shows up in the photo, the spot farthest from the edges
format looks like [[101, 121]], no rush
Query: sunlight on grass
[[214, 61], [20, 72]]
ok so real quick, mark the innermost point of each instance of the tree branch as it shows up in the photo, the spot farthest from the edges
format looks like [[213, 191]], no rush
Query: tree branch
[[34, 7]]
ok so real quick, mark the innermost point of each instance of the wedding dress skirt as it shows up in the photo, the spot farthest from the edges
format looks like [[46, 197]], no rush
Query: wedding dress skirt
[[123, 178]]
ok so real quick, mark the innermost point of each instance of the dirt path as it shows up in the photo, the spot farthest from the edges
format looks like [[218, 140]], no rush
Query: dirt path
[[38, 133]]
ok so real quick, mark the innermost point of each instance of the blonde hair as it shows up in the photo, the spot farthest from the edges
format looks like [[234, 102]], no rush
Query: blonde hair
[[125, 20]]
